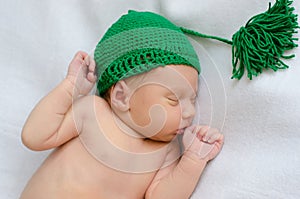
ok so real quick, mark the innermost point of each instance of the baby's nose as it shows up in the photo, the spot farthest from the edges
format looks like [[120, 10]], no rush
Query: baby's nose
[[188, 110]]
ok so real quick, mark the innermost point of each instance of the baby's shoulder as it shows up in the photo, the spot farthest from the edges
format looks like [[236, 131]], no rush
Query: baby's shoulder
[[92, 100], [91, 104]]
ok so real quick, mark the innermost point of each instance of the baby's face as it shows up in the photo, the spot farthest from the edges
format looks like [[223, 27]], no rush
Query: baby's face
[[165, 101]]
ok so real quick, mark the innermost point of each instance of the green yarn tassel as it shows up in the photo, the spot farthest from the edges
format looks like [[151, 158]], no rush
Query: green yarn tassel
[[263, 41]]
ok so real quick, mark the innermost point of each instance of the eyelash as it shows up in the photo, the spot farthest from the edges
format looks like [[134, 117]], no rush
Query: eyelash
[[173, 101], [193, 100]]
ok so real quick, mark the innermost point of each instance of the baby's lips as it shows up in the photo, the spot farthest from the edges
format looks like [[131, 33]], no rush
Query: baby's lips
[[180, 131]]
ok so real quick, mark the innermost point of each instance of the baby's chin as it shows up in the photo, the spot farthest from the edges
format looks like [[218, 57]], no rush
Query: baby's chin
[[166, 138]]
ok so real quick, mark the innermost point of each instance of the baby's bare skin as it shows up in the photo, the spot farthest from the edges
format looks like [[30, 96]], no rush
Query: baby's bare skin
[[81, 167], [61, 176]]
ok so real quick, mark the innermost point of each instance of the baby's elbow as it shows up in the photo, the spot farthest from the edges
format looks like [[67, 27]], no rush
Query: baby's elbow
[[28, 141], [25, 139]]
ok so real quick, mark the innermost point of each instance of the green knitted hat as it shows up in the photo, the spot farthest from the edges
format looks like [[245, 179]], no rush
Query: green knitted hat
[[137, 43]]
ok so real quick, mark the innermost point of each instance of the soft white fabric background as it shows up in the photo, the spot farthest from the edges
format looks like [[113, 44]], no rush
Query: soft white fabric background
[[259, 118]]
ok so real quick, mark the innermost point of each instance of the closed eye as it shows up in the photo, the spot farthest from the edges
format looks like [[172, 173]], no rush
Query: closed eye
[[173, 101]]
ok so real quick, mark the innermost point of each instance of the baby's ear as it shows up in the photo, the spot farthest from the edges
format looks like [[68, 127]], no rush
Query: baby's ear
[[119, 96]]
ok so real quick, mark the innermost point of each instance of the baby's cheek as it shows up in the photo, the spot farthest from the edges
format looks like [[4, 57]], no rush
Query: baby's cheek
[[174, 118], [140, 113], [140, 118]]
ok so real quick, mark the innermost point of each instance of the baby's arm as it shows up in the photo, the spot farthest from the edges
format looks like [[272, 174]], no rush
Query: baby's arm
[[51, 122], [180, 179]]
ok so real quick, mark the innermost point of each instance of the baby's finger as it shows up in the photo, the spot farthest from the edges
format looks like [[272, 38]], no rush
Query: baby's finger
[[190, 128], [202, 131], [196, 129], [91, 77], [92, 65], [209, 133], [80, 55], [87, 60], [214, 138]]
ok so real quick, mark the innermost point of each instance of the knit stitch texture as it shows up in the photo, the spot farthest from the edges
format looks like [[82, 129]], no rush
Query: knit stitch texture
[[137, 43]]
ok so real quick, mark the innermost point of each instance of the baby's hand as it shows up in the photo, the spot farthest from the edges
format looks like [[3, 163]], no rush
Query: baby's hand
[[204, 141], [81, 73]]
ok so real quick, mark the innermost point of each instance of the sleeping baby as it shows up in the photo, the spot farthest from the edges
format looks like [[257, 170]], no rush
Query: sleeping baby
[[123, 141]]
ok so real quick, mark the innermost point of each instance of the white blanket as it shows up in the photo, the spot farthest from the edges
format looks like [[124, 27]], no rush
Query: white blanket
[[259, 118]]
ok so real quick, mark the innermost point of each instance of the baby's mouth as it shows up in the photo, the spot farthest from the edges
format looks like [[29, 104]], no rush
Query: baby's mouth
[[180, 131]]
